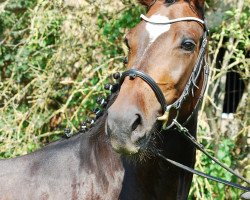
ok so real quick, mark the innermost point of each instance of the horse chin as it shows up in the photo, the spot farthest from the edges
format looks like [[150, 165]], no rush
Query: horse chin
[[130, 148], [125, 149], [133, 144]]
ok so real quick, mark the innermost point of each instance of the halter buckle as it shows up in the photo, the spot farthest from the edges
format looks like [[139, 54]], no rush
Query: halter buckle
[[164, 118]]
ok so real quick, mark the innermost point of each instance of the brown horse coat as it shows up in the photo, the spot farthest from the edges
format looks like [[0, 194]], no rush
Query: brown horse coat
[[82, 167]]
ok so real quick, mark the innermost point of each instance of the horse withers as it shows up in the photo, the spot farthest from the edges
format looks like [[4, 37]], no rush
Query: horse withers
[[115, 159]]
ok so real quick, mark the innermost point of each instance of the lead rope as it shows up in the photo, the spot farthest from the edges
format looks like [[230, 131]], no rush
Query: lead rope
[[199, 146], [191, 170]]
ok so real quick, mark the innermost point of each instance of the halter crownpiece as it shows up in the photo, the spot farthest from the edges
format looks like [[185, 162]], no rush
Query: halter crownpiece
[[171, 21]]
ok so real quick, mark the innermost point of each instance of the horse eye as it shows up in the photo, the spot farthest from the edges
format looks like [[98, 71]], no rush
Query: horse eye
[[188, 45]]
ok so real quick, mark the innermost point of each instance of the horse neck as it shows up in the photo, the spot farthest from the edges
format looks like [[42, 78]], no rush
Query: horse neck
[[153, 177]]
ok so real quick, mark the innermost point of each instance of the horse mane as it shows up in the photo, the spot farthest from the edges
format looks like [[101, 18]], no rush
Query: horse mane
[[95, 129], [94, 134]]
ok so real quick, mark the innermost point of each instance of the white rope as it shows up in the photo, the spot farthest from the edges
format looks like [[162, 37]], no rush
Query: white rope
[[171, 21]]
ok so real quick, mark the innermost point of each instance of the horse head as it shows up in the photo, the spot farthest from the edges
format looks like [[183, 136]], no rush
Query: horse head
[[166, 52]]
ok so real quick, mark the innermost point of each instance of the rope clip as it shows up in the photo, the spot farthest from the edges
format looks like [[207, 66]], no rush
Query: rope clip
[[164, 118]]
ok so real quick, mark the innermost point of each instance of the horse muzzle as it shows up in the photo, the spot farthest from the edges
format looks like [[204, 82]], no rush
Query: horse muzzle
[[126, 131]]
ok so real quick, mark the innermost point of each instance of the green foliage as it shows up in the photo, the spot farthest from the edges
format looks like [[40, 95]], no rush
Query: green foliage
[[54, 59], [229, 146], [114, 30], [204, 189]]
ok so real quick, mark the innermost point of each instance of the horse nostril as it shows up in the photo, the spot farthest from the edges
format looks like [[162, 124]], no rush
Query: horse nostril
[[137, 122]]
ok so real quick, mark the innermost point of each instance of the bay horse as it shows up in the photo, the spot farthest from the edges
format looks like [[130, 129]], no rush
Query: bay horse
[[115, 159]]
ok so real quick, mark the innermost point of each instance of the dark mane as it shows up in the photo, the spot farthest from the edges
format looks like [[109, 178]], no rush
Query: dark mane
[[98, 125], [94, 134]]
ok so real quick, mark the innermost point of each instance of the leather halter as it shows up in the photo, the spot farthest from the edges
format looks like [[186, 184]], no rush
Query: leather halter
[[132, 73], [200, 62], [190, 84]]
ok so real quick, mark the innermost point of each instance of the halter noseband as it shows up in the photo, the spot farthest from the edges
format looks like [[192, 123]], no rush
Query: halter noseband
[[132, 73]]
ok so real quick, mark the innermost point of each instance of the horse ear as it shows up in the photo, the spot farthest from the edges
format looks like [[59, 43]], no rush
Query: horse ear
[[199, 5], [146, 2]]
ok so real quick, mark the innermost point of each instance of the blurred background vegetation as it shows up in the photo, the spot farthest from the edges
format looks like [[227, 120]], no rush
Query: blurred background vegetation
[[55, 56]]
